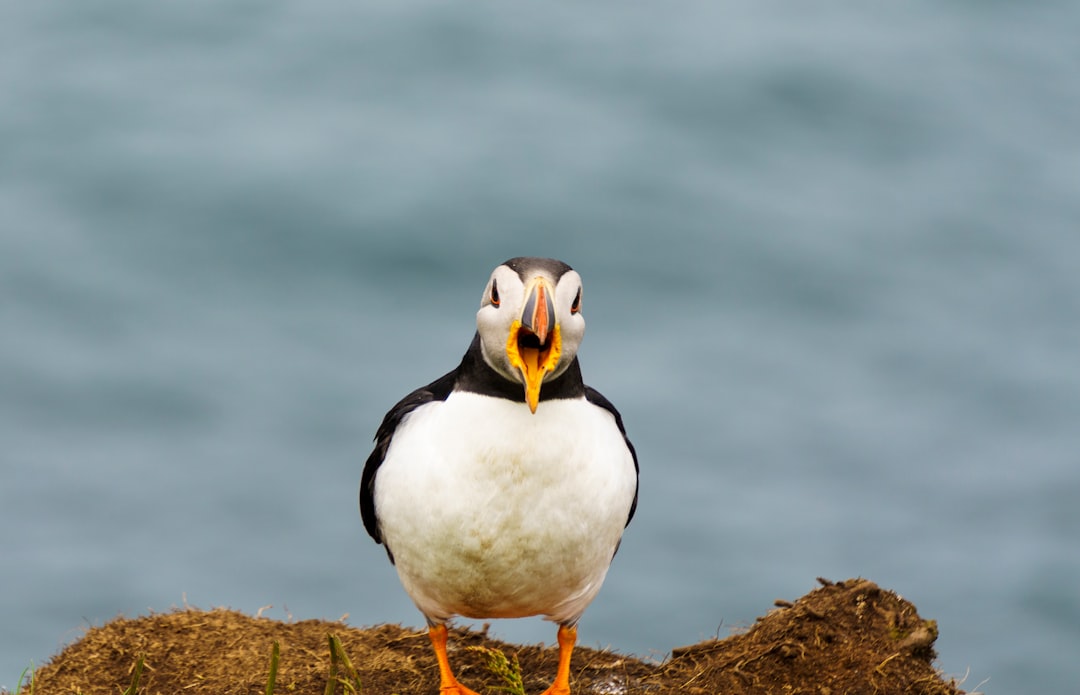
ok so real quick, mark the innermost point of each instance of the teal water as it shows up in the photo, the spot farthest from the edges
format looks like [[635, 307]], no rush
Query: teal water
[[830, 267]]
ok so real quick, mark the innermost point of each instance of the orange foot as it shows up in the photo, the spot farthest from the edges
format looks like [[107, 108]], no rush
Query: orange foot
[[448, 685], [567, 638]]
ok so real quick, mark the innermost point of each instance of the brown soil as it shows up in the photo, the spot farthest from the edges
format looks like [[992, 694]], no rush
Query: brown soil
[[847, 637]]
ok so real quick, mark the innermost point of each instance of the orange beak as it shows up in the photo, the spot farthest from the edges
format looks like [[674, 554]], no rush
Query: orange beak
[[534, 344]]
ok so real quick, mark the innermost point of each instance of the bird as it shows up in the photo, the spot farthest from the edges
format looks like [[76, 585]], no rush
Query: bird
[[502, 488]]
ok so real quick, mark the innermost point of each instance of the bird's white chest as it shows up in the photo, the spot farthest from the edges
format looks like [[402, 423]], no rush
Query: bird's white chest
[[493, 511]]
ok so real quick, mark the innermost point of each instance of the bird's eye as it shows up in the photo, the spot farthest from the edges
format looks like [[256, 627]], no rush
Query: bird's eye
[[494, 294], [576, 306]]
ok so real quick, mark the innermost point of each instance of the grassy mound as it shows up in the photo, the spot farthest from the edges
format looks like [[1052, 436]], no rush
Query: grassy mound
[[845, 637]]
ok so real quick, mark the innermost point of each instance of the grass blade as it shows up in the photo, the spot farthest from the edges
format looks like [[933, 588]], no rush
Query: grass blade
[[22, 678], [331, 682], [271, 680], [134, 687], [350, 671]]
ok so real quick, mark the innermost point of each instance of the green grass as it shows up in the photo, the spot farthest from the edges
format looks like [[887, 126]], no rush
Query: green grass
[[133, 689], [509, 671], [22, 682], [271, 680], [342, 673], [339, 660]]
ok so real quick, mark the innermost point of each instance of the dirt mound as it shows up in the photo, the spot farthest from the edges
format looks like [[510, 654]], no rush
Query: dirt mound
[[847, 637]]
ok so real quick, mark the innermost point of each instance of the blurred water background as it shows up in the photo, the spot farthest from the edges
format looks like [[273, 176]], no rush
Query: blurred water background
[[831, 261]]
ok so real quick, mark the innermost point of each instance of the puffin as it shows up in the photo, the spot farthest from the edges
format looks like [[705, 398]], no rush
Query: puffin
[[502, 488]]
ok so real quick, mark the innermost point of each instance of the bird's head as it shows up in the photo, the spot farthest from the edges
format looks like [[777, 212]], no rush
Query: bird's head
[[530, 322]]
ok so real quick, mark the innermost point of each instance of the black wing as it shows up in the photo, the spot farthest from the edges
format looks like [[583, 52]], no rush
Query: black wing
[[597, 398], [437, 390]]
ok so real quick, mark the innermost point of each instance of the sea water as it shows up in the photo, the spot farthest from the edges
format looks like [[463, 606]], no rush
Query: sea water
[[830, 258]]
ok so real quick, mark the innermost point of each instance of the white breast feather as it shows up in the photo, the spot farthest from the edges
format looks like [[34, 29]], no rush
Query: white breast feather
[[491, 511]]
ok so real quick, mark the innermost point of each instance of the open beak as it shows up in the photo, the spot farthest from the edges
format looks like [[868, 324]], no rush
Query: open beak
[[534, 344]]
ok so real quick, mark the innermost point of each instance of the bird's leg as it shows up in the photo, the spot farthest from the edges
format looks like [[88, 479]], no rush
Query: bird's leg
[[448, 685], [567, 638]]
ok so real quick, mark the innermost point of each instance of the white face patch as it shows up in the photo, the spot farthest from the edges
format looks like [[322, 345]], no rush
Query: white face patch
[[568, 295]]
